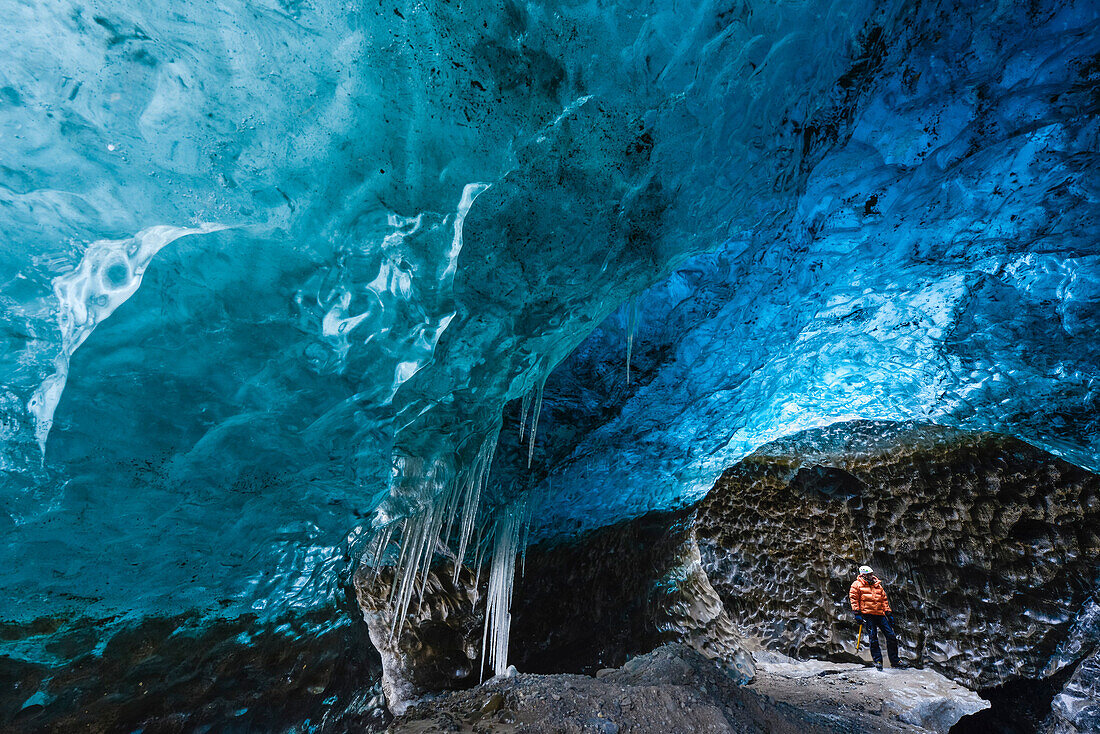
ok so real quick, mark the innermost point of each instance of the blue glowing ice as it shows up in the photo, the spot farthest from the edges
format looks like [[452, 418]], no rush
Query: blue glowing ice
[[402, 218], [942, 264]]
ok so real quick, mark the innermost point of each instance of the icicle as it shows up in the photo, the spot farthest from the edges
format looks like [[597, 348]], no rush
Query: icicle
[[502, 574], [429, 529], [459, 498], [631, 326], [381, 544], [405, 572], [419, 537], [455, 494], [478, 478], [497, 541], [525, 405], [479, 553], [401, 555], [535, 421], [469, 514], [523, 540]]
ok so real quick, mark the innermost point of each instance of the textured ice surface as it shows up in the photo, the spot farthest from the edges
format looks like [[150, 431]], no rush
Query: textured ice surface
[[942, 264], [404, 216]]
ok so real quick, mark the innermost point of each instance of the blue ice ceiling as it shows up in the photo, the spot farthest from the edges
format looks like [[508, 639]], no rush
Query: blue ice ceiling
[[269, 267]]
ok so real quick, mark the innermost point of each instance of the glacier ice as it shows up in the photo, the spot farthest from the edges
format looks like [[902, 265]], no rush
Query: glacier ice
[[941, 264], [109, 273], [511, 522], [412, 232]]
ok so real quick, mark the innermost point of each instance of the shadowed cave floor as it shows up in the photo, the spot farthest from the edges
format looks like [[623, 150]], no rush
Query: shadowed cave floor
[[675, 689]]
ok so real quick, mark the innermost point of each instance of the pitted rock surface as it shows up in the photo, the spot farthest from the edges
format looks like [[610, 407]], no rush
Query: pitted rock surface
[[438, 645], [987, 546], [687, 609]]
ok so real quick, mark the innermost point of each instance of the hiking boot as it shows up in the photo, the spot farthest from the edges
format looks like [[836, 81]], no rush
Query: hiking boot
[[900, 665], [878, 665]]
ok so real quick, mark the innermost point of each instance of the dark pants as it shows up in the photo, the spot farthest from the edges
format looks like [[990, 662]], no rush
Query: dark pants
[[873, 623]]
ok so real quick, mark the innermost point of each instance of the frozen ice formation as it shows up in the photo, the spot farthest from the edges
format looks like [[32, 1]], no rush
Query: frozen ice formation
[[940, 263], [411, 222], [109, 273]]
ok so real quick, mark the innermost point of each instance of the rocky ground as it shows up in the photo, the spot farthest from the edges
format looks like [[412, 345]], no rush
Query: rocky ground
[[675, 689], [922, 698]]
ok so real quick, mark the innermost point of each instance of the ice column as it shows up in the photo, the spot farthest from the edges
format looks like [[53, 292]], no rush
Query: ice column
[[507, 537]]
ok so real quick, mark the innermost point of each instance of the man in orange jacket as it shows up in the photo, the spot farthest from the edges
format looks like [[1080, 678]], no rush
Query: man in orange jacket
[[872, 610]]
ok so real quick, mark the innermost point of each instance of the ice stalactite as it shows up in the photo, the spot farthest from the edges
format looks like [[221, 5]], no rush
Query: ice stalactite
[[448, 517], [893, 219], [535, 421], [419, 535], [509, 529], [470, 498], [631, 327], [524, 408], [483, 534], [108, 274], [531, 397]]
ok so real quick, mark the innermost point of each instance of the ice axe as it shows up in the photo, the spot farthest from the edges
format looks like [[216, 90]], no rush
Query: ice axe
[[859, 636]]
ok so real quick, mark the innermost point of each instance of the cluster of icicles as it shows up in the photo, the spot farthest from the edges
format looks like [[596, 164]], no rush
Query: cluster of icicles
[[453, 519], [500, 537]]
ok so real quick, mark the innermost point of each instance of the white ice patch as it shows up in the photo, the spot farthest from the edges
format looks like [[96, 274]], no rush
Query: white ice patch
[[392, 306], [109, 273]]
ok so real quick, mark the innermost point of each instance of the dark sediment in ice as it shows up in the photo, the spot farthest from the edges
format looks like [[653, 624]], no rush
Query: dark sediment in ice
[[988, 547], [315, 670]]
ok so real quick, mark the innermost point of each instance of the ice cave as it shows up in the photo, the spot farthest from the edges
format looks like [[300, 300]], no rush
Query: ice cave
[[522, 366]]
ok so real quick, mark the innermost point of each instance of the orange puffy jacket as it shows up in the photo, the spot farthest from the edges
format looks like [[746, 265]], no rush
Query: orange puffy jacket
[[868, 598]]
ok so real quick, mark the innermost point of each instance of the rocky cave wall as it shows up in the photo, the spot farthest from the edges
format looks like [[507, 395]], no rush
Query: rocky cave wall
[[437, 645], [987, 546]]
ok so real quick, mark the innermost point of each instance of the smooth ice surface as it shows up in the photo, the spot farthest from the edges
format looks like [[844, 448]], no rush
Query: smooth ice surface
[[270, 266]]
